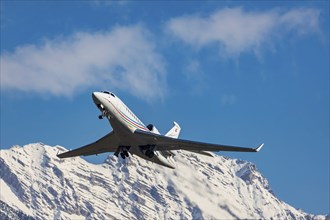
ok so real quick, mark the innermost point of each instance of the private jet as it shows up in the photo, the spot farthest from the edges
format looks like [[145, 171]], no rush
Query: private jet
[[131, 137]]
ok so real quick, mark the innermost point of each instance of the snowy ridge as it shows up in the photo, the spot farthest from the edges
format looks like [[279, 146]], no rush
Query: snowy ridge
[[41, 186]]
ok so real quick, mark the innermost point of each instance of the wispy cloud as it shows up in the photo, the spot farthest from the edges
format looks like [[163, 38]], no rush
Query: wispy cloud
[[123, 58], [194, 76], [236, 31], [193, 70], [228, 99]]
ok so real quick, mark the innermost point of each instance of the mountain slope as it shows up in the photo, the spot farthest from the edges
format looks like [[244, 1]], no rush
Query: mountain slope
[[41, 186]]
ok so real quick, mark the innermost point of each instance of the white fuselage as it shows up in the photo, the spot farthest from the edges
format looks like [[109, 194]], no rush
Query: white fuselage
[[124, 122]]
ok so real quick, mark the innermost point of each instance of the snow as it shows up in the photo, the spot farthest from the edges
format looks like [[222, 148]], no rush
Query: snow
[[9, 197], [35, 181]]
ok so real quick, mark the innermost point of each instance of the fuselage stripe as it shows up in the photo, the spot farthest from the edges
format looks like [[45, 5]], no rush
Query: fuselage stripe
[[127, 119]]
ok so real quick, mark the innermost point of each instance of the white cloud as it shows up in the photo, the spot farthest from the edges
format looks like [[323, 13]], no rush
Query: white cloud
[[236, 31], [124, 58]]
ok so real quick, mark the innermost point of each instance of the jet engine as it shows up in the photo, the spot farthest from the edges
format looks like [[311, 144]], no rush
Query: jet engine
[[149, 153], [153, 129], [148, 150]]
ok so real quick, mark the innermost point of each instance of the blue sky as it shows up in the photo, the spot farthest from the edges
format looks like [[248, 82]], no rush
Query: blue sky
[[228, 72]]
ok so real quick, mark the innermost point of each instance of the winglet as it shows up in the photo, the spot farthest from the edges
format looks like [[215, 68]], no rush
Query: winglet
[[259, 148]]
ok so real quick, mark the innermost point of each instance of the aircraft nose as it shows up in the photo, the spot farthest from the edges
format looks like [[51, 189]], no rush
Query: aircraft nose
[[96, 97]]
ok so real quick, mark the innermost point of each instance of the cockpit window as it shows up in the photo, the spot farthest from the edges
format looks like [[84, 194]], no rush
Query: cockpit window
[[110, 93]]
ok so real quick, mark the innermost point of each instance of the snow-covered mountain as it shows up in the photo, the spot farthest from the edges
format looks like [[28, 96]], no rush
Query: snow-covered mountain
[[35, 184]]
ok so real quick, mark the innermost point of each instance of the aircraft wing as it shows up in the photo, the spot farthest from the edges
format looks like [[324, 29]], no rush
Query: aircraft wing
[[168, 143], [108, 143]]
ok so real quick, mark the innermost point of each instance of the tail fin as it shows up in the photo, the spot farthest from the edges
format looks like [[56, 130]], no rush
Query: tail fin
[[174, 132]]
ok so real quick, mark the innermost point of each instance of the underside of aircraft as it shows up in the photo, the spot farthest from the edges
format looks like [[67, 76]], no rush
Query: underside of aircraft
[[131, 136]]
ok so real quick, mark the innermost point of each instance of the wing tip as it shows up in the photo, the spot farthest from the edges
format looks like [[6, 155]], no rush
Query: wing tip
[[259, 147], [59, 156], [62, 155]]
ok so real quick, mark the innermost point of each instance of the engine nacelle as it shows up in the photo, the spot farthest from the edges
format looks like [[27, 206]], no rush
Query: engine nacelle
[[149, 153], [148, 150], [153, 129]]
